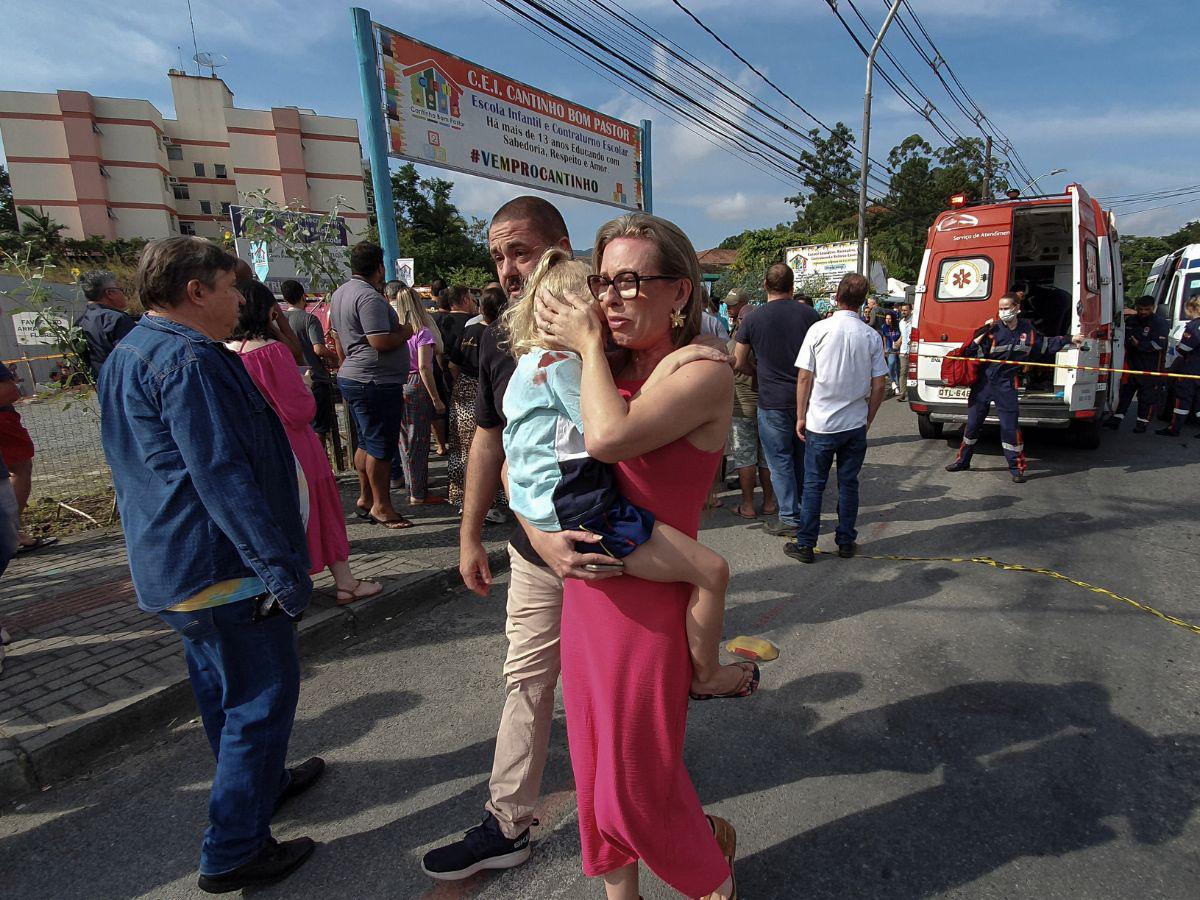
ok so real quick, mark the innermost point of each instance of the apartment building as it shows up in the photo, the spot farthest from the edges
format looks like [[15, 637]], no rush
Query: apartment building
[[116, 168]]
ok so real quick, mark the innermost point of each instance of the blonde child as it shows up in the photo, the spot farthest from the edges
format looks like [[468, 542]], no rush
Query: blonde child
[[556, 486]]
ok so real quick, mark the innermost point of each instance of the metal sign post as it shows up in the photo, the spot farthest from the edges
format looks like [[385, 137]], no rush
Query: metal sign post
[[647, 181], [866, 140], [377, 142]]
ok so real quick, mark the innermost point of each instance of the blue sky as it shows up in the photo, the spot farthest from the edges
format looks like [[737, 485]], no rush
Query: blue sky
[[1095, 86]]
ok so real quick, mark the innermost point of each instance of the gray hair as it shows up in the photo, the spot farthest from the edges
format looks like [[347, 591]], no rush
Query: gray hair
[[94, 282]]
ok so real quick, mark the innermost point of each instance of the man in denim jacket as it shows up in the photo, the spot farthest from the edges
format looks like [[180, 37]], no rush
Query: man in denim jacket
[[206, 485]]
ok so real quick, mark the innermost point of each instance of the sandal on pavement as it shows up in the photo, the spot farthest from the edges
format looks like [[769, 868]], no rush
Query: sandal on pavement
[[362, 512], [428, 500], [749, 689], [741, 515], [347, 597], [726, 837], [391, 524]]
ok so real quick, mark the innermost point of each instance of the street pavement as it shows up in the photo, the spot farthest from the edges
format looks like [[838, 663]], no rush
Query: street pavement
[[931, 729]]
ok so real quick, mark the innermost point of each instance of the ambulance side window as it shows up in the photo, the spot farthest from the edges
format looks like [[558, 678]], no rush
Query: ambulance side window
[[964, 278]]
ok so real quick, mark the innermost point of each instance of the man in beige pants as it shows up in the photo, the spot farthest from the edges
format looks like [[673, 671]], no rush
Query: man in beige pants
[[520, 232]]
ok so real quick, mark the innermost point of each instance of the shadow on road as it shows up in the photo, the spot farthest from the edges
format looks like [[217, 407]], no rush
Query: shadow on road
[[1000, 798]]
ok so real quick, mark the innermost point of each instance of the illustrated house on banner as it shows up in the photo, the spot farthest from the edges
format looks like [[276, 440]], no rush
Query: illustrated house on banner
[[433, 89]]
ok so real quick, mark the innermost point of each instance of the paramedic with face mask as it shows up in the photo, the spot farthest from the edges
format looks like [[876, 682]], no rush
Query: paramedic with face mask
[[1002, 347]]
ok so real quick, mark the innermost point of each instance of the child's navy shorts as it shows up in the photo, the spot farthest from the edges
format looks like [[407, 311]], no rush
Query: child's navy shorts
[[622, 527]]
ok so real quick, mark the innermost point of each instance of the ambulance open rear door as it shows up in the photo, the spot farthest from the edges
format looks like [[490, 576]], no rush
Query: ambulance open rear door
[[1079, 387]]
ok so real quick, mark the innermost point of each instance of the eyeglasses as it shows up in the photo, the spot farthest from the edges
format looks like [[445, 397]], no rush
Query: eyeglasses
[[628, 284]]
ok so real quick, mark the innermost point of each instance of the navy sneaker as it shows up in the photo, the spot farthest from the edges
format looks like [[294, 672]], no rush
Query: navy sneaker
[[483, 847], [958, 466]]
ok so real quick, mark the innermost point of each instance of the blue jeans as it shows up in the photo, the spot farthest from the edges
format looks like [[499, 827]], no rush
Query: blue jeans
[[785, 458], [246, 678], [850, 449], [893, 364]]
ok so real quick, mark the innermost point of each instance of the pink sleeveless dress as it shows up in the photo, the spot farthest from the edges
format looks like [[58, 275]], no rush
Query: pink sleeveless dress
[[274, 371], [625, 676]]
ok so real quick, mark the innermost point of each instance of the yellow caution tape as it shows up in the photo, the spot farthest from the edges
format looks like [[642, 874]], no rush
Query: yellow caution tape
[[24, 359], [1080, 368], [1017, 567]]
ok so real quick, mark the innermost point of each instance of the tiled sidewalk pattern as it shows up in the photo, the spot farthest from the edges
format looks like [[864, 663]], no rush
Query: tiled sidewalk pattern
[[80, 643]]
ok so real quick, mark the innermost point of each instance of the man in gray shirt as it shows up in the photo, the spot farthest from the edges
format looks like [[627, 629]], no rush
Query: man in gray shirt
[[373, 346], [311, 335]]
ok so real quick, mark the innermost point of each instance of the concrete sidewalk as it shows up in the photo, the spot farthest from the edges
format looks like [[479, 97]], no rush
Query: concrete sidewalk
[[88, 672]]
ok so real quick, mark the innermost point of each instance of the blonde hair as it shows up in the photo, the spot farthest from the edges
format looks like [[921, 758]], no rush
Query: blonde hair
[[556, 273], [1193, 303], [676, 257], [411, 312]]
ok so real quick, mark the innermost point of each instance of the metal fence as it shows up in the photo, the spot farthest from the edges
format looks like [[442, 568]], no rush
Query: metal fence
[[69, 460]]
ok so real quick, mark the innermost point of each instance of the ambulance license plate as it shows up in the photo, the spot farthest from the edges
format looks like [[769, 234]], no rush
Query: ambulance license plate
[[954, 393]]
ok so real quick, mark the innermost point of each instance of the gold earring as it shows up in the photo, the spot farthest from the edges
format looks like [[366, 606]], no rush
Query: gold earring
[[676, 319]]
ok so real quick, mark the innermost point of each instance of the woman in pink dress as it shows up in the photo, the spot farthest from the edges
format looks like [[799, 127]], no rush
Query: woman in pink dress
[[625, 664], [274, 370]]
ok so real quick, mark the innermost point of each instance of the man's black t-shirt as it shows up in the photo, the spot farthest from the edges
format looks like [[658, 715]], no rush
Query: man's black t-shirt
[[775, 332], [451, 325], [496, 367], [466, 354]]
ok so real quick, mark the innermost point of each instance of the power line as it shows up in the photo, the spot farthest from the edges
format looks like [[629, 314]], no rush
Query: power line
[[937, 62], [716, 37], [698, 78], [709, 115], [634, 46], [671, 113]]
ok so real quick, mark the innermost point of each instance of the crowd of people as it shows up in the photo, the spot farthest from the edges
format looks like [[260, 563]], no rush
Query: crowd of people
[[597, 402]]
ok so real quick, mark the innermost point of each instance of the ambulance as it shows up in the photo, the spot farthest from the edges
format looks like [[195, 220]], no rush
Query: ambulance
[[1173, 280], [1064, 251]]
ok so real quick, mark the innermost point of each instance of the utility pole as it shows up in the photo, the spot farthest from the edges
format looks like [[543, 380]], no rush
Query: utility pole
[[987, 170], [866, 141]]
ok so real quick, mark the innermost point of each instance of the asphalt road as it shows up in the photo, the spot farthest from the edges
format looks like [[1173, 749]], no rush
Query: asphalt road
[[930, 730]]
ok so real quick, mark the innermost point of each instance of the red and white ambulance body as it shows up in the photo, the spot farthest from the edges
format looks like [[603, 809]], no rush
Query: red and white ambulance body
[[1067, 249]]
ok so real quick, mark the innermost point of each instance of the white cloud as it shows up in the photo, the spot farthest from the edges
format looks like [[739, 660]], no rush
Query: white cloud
[[1061, 17], [742, 207]]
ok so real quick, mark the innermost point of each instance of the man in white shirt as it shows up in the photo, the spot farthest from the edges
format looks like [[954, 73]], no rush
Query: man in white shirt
[[839, 388], [905, 343]]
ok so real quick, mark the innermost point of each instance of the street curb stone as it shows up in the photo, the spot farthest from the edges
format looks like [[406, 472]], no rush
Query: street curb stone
[[74, 747]]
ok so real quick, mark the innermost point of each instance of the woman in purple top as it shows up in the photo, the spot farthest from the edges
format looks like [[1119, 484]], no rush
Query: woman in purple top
[[421, 399]]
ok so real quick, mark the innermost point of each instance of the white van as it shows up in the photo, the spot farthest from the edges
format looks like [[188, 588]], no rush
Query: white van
[[1174, 279]]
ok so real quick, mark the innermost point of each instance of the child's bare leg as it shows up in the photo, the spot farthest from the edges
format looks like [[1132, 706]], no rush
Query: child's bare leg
[[670, 555]]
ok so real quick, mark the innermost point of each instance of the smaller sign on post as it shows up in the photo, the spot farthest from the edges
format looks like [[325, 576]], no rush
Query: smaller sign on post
[[260, 259], [25, 326], [406, 271]]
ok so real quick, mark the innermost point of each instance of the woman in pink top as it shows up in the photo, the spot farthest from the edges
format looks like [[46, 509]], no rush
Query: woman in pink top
[[421, 399], [625, 664], [274, 370]]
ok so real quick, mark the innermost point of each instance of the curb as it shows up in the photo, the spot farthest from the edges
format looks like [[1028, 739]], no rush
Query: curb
[[130, 725]]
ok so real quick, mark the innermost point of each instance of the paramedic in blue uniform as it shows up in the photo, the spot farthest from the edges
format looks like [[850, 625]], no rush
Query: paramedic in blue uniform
[[1187, 362], [1145, 342], [1002, 347]]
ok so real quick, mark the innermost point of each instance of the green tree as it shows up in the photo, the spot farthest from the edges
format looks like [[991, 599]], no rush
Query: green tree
[[8, 211], [829, 176], [430, 227], [41, 232]]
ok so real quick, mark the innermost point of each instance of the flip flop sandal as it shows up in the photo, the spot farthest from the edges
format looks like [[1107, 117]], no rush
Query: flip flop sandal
[[392, 524], [742, 515], [726, 837], [361, 513], [344, 598], [37, 544], [733, 695]]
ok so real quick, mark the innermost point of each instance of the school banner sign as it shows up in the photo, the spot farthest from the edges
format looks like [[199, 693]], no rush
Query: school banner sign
[[824, 260], [444, 111]]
